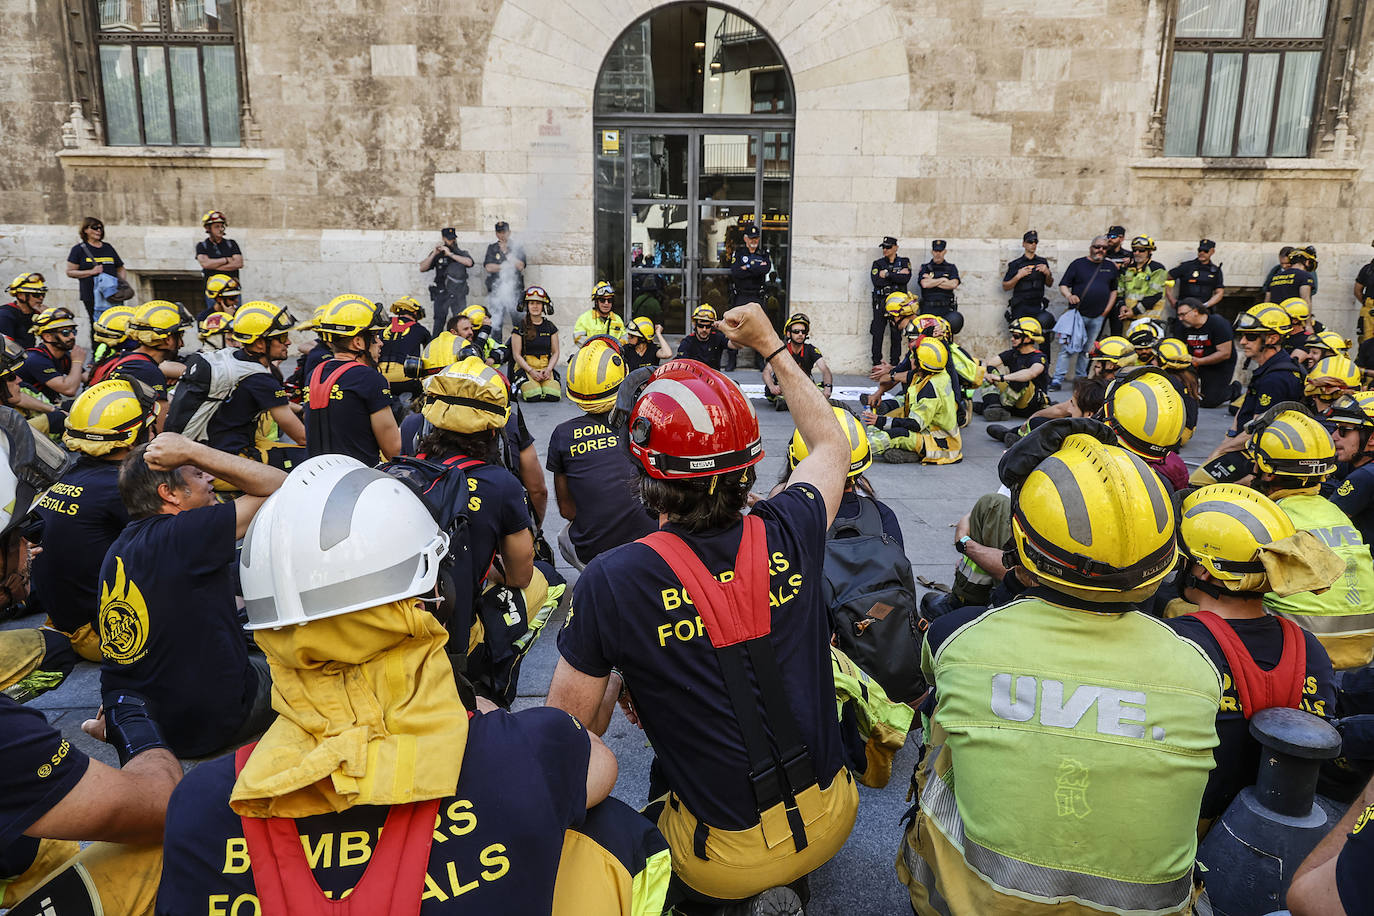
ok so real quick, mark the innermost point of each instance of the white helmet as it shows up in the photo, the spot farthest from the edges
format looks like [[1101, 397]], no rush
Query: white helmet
[[337, 537]]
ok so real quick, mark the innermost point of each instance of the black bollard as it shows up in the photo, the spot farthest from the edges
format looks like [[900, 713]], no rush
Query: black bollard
[[1253, 849]]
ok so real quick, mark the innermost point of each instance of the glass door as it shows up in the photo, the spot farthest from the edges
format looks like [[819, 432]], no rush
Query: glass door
[[670, 206]]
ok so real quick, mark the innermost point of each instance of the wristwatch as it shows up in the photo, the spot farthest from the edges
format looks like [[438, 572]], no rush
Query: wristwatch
[[961, 545]]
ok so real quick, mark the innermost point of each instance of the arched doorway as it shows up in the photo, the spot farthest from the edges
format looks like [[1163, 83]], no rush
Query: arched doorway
[[694, 121]]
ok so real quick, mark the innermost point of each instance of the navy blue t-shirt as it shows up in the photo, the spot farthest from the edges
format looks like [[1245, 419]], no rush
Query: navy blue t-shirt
[[356, 395], [496, 508], [1355, 867], [634, 359], [707, 351], [601, 475], [142, 367], [1014, 360], [400, 341], [86, 257], [169, 627], [317, 354], [224, 248], [496, 846], [232, 427], [82, 515], [1279, 379], [1355, 497], [41, 767], [1092, 284], [1285, 284], [41, 367], [15, 324], [1238, 754], [630, 612]]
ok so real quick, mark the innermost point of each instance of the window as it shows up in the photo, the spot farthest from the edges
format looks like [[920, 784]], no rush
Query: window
[[1244, 77], [169, 72]]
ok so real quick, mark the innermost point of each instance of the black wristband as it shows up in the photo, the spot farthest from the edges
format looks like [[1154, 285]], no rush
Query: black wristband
[[129, 726], [770, 356]]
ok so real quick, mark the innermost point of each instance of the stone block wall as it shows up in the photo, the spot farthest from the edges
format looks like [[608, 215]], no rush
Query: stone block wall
[[378, 123]]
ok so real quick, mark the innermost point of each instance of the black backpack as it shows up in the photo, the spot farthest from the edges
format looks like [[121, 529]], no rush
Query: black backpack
[[870, 594], [432, 480]]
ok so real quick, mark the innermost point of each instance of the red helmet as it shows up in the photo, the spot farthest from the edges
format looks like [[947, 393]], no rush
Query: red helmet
[[692, 421]]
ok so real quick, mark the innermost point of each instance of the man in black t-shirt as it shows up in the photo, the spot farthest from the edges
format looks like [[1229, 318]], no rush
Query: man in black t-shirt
[[169, 627], [1211, 341], [1027, 278], [1020, 375], [938, 279], [592, 471], [348, 411], [808, 357], [216, 254], [705, 344], [1287, 283], [636, 622], [1337, 878], [53, 368], [1090, 286], [1199, 279], [29, 291]]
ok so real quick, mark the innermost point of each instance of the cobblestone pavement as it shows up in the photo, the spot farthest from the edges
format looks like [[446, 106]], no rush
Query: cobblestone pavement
[[928, 500]]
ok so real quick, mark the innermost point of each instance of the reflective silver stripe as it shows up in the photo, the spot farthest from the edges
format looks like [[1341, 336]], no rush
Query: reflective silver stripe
[[337, 519], [105, 402], [1071, 495], [1237, 512], [686, 399], [1151, 407], [1287, 434], [1331, 624], [604, 364], [938, 801], [315, 602], [923, 874], [1156, 490]]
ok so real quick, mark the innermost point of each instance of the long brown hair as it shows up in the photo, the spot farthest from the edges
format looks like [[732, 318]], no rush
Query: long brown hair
[[89, 222]]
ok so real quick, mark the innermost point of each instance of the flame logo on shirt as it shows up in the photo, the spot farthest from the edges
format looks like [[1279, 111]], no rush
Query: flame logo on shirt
[[123, 619]]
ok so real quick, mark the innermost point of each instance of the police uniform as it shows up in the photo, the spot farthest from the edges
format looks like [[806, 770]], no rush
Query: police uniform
[[1028, 295], [936, 301], [1196, 280], [1279, 379], [898, 277], [748, 271]]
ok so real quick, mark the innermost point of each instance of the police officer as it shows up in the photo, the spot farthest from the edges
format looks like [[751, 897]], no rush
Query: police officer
[[939, 279], [374, 733], [766, 798], [1199, 279], [1261, 330], [1001, 739], [889, 274], [1117, 252], [749, 269], [449, 291], [1364, 300], [1026, 278]]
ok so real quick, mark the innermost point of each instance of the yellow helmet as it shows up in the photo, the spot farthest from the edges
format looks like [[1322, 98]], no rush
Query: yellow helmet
[[1142, 243], [113, 324], [1297, 309], [53, 319], [1331, 376], [1223, 527], [212, 328], [703, 312], [1355, 409], [408, 305], [213, 216], [931, 354], [109, 415], [222, 286], [256, 320], [899, 305], [1329, 341], [1028, 328], [602, 290], [477, 314], [641, 327], [1144, 333], [467, 397], [1146, 412], [155, 321], [11, 357], [1173, 354], [27, 283], [1289, 442], [348, 316], [1110, 349], [1094, 521], [1265, 318], [313, 322], [800, 318], [860, 453], [595, 372]]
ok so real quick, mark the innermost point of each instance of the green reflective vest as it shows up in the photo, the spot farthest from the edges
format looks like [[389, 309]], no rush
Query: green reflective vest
[[930, 402], [1339, 617], [1081, 744]]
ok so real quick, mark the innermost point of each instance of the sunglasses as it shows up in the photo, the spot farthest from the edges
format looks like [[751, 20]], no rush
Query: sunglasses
[[797, 331], [65, 332], [1098, 248], [37, 295], [605, 298], [705, 324], [1253, 335], [97, 228]]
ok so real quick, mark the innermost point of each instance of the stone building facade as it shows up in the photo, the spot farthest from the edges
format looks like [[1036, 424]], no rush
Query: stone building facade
[[364, 127]]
